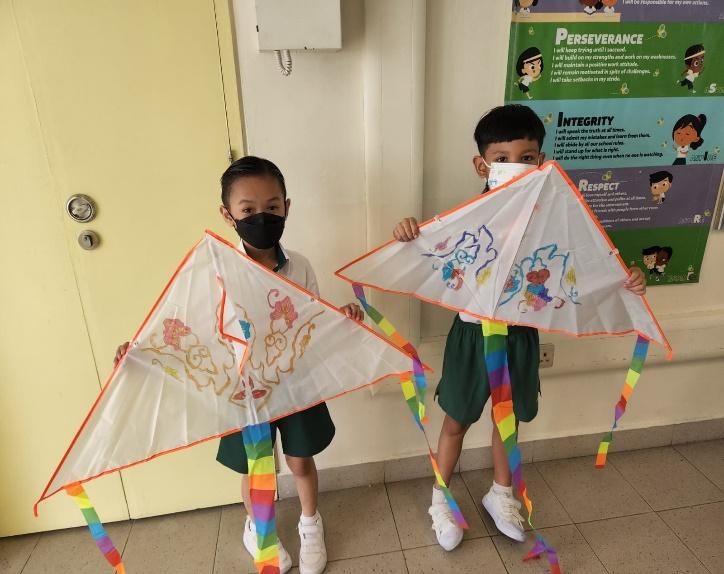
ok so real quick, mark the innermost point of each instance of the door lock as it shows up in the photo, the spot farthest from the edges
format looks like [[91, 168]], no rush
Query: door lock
[[88, 239]]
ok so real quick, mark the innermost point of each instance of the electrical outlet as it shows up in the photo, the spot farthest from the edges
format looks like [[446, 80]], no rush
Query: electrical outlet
[[546, 355]]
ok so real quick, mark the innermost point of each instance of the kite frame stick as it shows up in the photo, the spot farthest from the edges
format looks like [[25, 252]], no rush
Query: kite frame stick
[[340, 272]]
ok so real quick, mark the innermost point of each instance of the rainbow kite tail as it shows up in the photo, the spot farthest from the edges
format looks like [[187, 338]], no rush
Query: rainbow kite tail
[[414, 390], [495, 341], [262, 489], [104, 543], [418, 379], [632, 377]]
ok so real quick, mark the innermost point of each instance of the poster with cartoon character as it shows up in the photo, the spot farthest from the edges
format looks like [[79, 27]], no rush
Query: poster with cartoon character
[[632, 99], [592, 60]]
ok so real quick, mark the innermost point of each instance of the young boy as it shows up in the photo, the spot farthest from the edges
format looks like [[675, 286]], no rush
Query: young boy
[[254, 202], [509, 140]]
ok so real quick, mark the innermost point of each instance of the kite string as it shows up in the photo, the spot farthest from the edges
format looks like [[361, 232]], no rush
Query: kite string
[[100, 536], [262, 490], [632, 376], [414, 394], [495, 341]]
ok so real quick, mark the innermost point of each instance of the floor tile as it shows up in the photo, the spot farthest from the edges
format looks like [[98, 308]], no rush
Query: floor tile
[[176, 543], [15, 551], [588, 493], [708, 457], [574, 554], [392, 563], [73, 550], [358, 522], [684, 484], [701, 528], [231, 557], [478, 555], [410, 500], [547, 511], [640, 544]]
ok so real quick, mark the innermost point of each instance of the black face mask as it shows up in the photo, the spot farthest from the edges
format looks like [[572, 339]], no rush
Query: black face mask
[[261, 230]]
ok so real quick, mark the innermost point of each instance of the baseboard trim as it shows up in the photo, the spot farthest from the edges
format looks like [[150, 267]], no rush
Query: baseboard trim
[[369, 473]]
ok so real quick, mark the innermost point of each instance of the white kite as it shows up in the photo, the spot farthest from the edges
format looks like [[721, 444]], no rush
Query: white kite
[[229, 345], [530, 252]]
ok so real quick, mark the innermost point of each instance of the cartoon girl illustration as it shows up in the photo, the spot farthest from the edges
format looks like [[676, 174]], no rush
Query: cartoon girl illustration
[[608, 6], [686, 133], [529, 67], [694, 62], [523, 6]]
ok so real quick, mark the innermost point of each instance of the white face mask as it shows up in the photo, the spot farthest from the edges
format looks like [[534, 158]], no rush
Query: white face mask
[[502, 172]]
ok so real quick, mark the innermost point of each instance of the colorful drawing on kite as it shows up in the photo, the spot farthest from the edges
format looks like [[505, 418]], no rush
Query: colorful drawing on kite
[[179, 348], [534, 272], [272, 355], [453, 262]]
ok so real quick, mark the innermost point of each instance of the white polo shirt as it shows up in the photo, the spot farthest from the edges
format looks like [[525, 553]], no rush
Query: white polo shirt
[[295, 267]]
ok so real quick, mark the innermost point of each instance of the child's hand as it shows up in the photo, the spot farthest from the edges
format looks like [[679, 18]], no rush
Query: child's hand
[[636, 282], [120, 351], [406, 230], [353, 311]]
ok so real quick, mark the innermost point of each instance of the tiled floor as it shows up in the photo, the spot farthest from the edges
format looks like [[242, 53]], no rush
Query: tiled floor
[[650, 511]]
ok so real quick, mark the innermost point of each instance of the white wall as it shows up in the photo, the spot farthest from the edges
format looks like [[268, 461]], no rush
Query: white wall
[[314, 124]]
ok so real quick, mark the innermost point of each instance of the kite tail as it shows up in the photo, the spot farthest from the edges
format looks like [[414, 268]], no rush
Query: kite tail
[[100, 537], [262, 489], [414, 389], [418, 371], [632, 377], [495, 337]]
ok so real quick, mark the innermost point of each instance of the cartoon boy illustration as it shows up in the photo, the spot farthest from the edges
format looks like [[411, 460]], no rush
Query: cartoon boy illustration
[[694, 62], [686, 133], [529, 67], [660, 183], [649, 254], [662, 259], [523, 6]]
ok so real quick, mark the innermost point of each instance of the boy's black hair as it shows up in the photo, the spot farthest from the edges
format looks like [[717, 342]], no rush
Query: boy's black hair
[[668, 251], [529, 53], [517, 3], [660, 176], [697, 122], [507, 123], [691, 50], [249, 166], [653, 250]]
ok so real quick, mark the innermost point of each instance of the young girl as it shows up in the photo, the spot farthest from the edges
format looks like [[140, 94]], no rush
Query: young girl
[[687, 135]]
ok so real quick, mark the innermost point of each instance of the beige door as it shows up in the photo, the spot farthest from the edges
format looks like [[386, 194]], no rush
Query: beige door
[[124, 102]]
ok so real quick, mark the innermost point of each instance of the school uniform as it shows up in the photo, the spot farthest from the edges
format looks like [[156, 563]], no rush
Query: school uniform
[[304, 433]]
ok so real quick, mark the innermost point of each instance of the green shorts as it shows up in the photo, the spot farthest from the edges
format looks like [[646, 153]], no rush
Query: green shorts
[[464, 389], [303, 434]]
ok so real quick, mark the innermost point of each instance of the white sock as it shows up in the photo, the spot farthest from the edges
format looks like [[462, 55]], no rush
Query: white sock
[[500, 489], [437, 496], [309, 520]]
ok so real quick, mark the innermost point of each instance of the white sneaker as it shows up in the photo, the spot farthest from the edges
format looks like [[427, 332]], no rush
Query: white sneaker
[[504, 509], [312, 552], [285, 561], [447, 531]]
